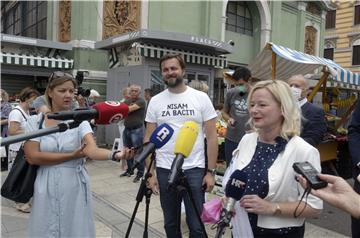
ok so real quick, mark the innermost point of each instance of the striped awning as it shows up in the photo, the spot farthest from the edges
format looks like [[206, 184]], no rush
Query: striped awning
[[191, 57], [35, 61], [290, 62]]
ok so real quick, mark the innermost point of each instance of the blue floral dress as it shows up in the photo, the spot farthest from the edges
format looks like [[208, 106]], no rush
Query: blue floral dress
[[62, 197]]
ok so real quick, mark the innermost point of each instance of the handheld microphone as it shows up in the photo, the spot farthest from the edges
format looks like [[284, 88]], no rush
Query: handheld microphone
[[234, 190], [183, 146], [104, 113], [158, 139]]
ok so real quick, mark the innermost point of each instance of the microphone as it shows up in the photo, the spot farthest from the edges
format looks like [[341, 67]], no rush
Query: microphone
[[104, 113], [234, 190], [158, 139], [183, 146]]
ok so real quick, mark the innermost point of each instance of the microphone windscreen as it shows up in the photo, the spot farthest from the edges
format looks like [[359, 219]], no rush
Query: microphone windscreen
[[110, 112], [161, 135], [186, 138], [235, 187]]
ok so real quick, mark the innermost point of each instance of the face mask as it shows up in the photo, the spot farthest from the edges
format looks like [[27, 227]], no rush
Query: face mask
[[296, 92], [242, 89]]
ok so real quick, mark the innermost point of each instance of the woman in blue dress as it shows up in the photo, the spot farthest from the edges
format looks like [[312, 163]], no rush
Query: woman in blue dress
[[62, 196]]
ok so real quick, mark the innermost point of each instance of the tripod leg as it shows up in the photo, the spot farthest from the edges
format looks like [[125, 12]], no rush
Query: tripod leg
[[147, 201], [132, 219]]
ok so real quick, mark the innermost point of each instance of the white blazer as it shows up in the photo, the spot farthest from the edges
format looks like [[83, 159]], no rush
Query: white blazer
[[282, 184]]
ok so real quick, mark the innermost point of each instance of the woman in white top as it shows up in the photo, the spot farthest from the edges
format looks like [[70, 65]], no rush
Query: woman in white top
[[271, 194]]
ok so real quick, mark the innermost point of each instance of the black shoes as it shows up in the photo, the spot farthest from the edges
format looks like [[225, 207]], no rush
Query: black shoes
[[126, 174], [137, 179]]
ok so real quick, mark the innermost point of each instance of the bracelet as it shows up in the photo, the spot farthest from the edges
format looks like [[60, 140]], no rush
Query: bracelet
[[111, 156]]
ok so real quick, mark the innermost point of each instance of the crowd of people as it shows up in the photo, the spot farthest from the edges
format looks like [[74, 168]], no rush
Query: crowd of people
[[270, 126]]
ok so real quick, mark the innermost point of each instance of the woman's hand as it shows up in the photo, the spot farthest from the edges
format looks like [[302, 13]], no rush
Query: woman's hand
[[257, 205], [79, 153], [125, 154]]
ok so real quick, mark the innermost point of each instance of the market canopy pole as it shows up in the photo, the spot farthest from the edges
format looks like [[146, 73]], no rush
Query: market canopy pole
[[318, 85], [273, 65], [345, 117]]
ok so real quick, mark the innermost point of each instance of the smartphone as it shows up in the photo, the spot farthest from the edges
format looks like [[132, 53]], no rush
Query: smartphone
[[310, 174]]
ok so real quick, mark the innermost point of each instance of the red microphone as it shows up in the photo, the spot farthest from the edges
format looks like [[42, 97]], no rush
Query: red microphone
[[110, 112], [103, 112]]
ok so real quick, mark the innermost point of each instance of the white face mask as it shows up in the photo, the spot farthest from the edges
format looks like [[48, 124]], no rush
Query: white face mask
[[296, 92]]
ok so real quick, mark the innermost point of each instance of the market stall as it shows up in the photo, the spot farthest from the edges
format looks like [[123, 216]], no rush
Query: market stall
[[339, 89]]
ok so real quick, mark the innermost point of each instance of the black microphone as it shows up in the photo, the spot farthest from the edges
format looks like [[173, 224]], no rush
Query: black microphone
[[158, 139], [234, 190], [104, 113]]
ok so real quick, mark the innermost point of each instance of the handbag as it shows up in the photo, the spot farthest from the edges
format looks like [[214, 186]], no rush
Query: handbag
[[19, 184]]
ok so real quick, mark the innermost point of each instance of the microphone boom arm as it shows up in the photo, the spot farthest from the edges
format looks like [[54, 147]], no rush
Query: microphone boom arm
[[43, 132]]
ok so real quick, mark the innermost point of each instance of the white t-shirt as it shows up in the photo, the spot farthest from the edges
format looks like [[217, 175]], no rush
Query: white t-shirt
[[15, 115], [175, 109]]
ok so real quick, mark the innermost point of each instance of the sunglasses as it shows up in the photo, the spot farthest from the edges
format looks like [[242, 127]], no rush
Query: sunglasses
[[60, 74]]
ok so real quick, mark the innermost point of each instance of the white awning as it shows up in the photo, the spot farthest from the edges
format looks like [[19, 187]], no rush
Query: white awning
[[290, 62], [36, 61], [191, 57]]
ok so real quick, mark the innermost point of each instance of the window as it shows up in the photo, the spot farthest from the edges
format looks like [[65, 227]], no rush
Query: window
[[356, 55], [239, 18], [330, 19], [357, 15], [329, 53], [25, 18]]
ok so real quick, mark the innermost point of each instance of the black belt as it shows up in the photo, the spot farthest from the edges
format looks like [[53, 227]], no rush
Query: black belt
[[134, 127]]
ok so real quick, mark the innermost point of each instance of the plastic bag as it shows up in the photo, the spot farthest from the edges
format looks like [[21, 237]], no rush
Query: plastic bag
[[211, 211]]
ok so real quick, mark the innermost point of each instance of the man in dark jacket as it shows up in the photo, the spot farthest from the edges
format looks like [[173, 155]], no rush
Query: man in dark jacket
[[313, 124], [354, 147]]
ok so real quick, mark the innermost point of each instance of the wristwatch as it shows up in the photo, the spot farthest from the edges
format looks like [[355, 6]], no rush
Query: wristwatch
[[212, 171]]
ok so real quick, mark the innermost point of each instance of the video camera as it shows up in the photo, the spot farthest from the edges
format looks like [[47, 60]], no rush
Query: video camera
[[79, 79]]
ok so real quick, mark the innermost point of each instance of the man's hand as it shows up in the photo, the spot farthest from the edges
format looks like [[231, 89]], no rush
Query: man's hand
[[209, 181], [153, 184]]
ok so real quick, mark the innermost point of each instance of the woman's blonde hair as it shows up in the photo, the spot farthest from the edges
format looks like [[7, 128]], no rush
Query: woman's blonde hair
[[289, 107], [57, 78], [4, 95]]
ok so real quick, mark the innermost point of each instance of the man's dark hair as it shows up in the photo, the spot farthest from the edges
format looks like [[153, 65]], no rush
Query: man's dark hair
[[173, 56], [150, 91], [242, 73]]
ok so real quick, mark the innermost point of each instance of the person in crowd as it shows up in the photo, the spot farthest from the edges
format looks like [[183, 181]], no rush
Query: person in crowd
[[40, 105], [62, 205], [92, 97], [16, 125], [314, 124], [235, 111], [133, 134], [354, 149], [125, 95], [5, 111], [174, 106], [266, 155], [148, 94], [337, 193], [199, 85]]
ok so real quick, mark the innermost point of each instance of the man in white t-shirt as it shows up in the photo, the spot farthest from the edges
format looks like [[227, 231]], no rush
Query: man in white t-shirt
[[174, 106]]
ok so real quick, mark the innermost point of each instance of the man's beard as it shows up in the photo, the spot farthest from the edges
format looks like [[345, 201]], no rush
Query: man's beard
[[179, 80]]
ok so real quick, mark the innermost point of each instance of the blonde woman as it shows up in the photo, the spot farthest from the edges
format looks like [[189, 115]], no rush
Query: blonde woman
[[266, 156]]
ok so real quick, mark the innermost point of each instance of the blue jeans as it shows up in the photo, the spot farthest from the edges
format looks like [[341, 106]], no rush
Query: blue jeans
[[134, 138], [171, 203], [230, 146]]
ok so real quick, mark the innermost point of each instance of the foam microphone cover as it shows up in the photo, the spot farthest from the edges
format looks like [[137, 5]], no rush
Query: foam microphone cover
[[161, 135], [186, 138], [235, 187], [111, 112]]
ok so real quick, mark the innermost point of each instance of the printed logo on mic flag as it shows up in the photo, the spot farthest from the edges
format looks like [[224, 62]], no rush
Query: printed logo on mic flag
[[116, 118], [112, 103]]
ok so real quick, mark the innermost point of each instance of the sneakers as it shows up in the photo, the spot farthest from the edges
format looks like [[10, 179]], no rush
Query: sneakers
[[23, 207], [126, 174], [137, 179]]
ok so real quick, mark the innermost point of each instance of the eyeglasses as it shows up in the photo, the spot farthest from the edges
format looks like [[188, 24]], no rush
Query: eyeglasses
[[60, 74]]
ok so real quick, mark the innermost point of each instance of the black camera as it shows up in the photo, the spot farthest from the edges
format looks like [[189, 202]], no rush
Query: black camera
[[79, 79]]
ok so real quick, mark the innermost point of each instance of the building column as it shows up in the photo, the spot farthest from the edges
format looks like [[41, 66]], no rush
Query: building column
[[300, 38]]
